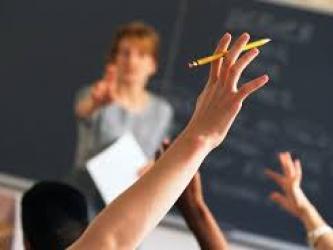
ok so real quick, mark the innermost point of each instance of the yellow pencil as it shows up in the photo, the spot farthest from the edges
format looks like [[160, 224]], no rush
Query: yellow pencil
[[212, 58]]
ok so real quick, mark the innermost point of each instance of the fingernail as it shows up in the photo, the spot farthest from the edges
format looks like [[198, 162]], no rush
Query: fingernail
[[255, 50], [226, 36], [266, 77]]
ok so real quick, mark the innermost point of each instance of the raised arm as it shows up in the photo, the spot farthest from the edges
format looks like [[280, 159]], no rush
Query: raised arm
[[199, 218], [295, 202], [124, 223]]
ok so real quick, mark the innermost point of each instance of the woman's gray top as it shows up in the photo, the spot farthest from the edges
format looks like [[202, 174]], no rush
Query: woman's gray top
[[110, 122]]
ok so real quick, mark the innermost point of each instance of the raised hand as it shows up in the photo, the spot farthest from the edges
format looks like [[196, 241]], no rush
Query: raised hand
[[292, 199], [221, 99]]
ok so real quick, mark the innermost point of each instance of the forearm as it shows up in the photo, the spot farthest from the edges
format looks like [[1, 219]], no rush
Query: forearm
[[204, 226], [126, 221], [310, 218]]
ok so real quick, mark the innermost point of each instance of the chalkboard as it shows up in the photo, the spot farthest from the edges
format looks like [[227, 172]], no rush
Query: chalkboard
[[291, 113], [49, 50]]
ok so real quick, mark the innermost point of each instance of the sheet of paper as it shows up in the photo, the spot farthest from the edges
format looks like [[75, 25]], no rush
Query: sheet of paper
[[115, 169]]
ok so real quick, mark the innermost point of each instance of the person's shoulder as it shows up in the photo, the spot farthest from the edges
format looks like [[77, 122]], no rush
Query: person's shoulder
[[161, 103], [163, 113]]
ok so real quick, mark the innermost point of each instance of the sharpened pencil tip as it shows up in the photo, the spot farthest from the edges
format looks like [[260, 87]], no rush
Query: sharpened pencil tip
[[193, 64]]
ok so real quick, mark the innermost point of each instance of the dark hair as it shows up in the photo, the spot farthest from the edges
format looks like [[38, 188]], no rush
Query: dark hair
[[54, 215], [140, 31]]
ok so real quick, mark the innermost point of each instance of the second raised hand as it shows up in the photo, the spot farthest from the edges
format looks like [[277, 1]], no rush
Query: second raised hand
[[293, 200]]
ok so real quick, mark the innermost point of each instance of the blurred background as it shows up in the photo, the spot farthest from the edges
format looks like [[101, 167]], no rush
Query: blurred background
[[51, 49]]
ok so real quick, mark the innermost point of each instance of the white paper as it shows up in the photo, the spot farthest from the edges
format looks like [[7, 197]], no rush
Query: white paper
[[116, 168]]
